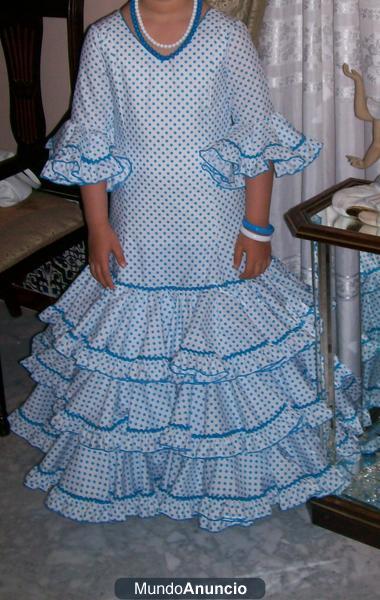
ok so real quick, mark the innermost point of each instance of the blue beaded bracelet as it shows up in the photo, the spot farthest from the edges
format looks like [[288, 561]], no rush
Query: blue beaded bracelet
[[257, 229]]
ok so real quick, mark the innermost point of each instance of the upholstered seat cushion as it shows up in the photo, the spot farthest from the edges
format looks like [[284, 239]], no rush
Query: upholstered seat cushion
[[34, 223]]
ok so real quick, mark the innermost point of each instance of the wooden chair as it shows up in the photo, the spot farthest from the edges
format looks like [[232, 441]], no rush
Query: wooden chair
[[50, 220]]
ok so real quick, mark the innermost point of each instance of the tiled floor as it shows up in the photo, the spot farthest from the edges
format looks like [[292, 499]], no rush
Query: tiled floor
[[44, 556]]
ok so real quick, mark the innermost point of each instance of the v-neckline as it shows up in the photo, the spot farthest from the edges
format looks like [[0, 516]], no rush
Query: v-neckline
[[142, 42]]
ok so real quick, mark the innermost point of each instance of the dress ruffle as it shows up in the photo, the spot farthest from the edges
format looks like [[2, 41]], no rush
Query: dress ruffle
[[186, 341], [370, 311], [82, 156], [247, 150], [173, 407]]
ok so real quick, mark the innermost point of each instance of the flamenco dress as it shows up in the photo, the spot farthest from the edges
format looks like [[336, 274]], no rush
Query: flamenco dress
[[186, 391]]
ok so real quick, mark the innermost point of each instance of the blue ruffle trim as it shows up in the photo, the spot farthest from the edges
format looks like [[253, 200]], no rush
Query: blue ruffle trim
[[100, 401], [206, 349], [215, 512], [246, 151], [172, 484], [81, 156]]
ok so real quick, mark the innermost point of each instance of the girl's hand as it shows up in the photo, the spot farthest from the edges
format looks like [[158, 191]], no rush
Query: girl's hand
[[102, 240], [257, 254]]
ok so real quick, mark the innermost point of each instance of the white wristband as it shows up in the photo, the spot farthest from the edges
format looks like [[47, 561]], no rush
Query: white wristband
[[255, 236]]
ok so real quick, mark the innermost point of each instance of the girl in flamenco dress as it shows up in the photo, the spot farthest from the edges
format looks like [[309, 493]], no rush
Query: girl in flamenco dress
[[176, 375]]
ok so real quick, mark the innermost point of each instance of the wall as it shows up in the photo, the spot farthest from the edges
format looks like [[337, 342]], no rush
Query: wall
[[54, 70]]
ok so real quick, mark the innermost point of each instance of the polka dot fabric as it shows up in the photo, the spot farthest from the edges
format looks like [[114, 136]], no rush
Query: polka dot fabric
[[186, 391]]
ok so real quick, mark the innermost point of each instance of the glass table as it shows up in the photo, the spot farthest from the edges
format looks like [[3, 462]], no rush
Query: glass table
[[345, 257]]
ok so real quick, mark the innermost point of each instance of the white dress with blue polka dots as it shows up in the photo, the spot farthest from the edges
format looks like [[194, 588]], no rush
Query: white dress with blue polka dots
[[186, 391]]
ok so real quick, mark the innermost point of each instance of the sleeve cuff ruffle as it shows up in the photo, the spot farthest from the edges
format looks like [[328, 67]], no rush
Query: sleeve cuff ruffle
[[81, 156], [247, 150]]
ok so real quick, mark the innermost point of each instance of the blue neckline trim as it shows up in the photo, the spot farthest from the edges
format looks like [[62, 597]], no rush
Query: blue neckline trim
[[150, 49]]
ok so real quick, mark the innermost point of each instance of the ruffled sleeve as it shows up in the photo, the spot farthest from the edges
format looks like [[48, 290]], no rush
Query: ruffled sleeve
[[86, 150], [257, 134]]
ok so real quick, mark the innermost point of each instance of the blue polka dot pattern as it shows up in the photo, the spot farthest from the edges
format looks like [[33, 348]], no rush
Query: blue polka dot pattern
[[186, 391], [370, 323]]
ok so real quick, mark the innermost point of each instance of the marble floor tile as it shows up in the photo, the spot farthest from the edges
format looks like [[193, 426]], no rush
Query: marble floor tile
[[44, 556]]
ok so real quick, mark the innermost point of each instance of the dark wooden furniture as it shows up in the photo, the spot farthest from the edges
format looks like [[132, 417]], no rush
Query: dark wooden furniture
[[51, 219], [300, 222], [347, 516]]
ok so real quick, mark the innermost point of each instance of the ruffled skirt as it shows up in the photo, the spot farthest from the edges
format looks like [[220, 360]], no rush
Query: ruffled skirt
[[187, 403]]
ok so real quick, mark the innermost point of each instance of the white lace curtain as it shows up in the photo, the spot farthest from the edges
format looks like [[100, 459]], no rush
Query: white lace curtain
[[303, 44]]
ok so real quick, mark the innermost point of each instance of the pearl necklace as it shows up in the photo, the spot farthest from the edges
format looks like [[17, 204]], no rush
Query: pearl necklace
[[146, 34]]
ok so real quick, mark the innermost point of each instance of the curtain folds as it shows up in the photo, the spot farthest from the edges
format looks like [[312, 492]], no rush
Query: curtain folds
[[302, 45], [249, 11]]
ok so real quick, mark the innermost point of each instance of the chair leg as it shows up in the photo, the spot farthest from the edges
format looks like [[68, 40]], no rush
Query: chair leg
[[11, 301], [4, 424]]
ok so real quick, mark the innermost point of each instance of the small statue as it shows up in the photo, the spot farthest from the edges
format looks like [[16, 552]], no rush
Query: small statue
[[366, 109], [362, 202]]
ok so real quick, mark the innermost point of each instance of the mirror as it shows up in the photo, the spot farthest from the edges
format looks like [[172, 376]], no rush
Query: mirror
[[355, 336]]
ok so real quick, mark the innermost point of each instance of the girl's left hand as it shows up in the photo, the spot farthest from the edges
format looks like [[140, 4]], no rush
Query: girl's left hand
[[258, 256]]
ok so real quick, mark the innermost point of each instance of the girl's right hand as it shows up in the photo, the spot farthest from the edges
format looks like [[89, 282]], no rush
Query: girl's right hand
[[102, 240]]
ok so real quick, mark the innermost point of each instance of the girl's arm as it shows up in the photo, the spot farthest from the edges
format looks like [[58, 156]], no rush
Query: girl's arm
[[258, 197], [257, 208], [102, 240], [84, 152]]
